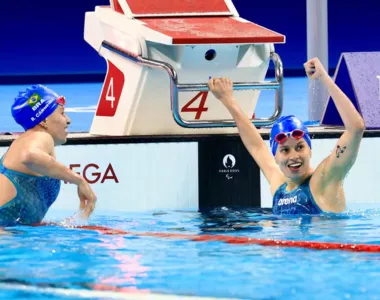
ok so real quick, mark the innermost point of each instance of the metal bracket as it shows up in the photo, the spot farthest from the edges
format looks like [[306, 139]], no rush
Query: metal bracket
[[276, 85]]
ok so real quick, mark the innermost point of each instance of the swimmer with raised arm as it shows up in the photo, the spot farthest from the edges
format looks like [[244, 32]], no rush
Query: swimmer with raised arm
[[30, 176], [296, 187]]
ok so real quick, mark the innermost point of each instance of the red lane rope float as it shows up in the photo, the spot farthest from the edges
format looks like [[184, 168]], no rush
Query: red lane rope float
[[240, 240]]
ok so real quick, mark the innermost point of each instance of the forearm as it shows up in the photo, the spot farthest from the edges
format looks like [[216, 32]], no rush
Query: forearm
[[248, 132], [46, 165], [350, 116]]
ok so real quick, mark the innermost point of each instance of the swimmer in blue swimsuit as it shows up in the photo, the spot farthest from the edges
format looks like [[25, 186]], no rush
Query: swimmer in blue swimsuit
[[30, 176], [296, 187]]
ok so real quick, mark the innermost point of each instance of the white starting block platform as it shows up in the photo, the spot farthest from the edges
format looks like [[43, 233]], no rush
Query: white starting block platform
[[160, 56]]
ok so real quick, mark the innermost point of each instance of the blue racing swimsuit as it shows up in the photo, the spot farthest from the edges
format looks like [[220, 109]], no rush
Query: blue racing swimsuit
[[35, 195], [296, 202]]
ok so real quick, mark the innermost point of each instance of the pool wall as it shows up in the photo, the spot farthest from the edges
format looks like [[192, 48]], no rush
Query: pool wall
[[192, 172]]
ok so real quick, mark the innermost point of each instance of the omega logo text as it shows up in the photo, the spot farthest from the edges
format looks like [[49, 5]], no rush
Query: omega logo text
[[92, 173]]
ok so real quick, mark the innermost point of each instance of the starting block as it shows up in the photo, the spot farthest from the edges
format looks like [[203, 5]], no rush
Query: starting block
[[358, 76], [160, 55]]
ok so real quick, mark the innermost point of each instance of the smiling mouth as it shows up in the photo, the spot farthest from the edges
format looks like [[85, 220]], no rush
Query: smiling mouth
[[294, 166]]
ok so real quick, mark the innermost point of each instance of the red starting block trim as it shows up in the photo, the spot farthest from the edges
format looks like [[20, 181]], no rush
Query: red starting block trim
[[173, 7], [116, 6], [212, 30]]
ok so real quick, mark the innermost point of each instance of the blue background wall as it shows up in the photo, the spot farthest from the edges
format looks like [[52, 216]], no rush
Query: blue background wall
[[46, 37]]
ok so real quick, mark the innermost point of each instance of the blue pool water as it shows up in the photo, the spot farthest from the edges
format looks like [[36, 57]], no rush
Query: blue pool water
[[57, 262], [60, 262]]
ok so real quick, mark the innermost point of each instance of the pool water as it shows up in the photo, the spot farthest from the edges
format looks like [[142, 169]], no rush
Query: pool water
[[64, 262]]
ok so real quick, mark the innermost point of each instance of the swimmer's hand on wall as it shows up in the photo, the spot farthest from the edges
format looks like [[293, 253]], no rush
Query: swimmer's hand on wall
[[314, 69]]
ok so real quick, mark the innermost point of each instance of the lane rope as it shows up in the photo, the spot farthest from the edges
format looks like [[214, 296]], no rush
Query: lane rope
[[237, 240]]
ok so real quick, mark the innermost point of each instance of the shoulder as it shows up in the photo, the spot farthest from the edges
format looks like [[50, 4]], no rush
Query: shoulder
[[328, 196], [321, 179], [32, 140]]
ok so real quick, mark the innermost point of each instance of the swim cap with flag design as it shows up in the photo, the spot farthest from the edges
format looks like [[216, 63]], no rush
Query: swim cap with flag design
[[34, 105], [287, 124]]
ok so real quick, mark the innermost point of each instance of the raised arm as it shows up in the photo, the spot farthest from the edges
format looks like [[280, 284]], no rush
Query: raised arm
[[336, 166], [252, 140]]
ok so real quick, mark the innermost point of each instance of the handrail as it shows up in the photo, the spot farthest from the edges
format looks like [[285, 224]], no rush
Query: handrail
[[175, 88]]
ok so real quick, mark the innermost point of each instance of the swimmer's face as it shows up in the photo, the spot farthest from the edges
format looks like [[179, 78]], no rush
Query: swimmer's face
[[57, 124], [293, 157]]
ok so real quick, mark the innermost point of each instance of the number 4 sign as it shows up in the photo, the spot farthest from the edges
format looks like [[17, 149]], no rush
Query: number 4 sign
[[111, 92], [201, 108], [109, 95]]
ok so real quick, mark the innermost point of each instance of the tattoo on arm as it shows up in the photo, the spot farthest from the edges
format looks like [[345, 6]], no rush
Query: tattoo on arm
[[339, 150]]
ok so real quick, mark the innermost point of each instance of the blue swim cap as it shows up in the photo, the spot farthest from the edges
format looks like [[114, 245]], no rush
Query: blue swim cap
[[34, 105], [287, 124]]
